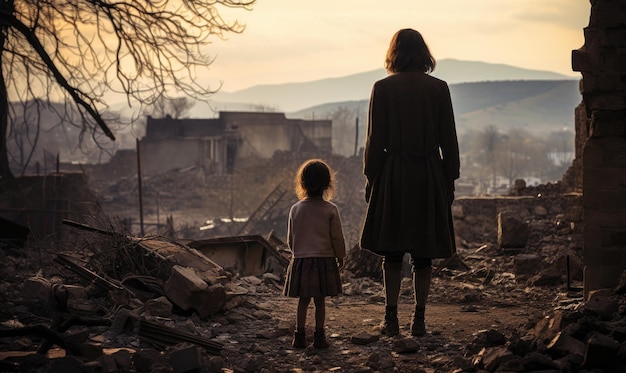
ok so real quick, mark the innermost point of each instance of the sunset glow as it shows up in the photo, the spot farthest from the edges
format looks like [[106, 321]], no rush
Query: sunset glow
[[296, 41]]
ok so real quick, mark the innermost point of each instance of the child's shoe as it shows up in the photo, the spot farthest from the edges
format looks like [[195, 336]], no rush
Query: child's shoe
[[319, 339], [299, 339]]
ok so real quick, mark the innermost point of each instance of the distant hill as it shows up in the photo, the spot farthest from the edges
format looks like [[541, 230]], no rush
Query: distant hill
[[539, 107], [297, 96]]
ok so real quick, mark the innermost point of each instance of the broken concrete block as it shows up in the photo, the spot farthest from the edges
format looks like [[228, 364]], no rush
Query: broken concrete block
[[185, 357], [77, 336], [381, 361], [364, 338], [512, 232], [600, 302], [188, 291], [494, 356], [66, 364], [601, 351], [516, 364], [215, 364], [159, 307], [91, 350], [37, 288], [144, 359], [547, 277], [535, 361], [123, 360], [548, 327], [563, 344], [526, 265], [108, 364], [494, 338], [405, 346]]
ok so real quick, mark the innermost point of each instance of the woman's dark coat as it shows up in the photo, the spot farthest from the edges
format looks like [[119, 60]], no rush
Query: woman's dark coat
[[411, 160]]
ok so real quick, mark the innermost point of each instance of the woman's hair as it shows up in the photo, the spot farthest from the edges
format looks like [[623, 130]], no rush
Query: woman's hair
[[408, 51], [315, 179]]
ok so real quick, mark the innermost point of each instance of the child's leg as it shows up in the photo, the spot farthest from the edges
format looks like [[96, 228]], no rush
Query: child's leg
[[303, 306], [320, 312], [319, 338], [299, 339]]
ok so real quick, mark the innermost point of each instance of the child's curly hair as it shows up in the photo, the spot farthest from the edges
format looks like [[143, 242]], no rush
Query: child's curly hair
[[315, 178]]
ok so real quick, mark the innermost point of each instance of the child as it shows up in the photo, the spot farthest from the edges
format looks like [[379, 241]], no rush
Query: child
[[315, 238]]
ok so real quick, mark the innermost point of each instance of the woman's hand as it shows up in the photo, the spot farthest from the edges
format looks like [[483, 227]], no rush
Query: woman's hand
[[340, 263]]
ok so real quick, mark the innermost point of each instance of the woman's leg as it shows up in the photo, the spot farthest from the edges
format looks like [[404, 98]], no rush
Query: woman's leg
[[422, 272], [392, 278]]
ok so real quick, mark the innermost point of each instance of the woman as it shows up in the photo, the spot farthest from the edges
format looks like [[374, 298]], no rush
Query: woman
[[411, 160]]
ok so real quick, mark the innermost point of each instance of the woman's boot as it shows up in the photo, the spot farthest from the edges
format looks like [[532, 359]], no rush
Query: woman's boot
[[299, 338], [319, 338], [421, 287], [418, 326], [390, 325], [392, 277]]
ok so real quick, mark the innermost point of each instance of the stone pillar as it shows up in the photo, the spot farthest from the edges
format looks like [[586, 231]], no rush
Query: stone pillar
[[602, 62]]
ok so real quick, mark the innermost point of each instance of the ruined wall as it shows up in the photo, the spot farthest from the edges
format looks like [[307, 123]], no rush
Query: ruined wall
[[167, 154], [553, 220], [263, 138], [320, 132], [573, 177], [40, 203], [602, 62], [265, 135]]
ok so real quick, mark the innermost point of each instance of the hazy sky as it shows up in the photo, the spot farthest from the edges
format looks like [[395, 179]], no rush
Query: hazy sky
[[298, 41]]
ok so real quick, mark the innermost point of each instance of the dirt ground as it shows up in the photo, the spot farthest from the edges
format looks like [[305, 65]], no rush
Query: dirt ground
[[455, 333], [257, 338]]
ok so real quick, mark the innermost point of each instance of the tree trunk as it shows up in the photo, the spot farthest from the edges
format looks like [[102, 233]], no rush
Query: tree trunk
[[5, 170]]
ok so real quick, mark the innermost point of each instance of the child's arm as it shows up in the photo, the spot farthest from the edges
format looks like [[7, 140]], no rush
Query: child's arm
[[336, 234]]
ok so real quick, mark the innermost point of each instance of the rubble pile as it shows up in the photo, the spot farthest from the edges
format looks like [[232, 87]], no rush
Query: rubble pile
[[194, 198], [109, 301], [156, 305], [589, 338]]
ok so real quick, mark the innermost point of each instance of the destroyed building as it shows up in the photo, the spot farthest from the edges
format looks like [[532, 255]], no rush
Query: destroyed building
[[215, 144]]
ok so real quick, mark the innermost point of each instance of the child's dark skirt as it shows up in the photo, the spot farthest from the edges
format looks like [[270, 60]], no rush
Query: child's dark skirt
[[312, 277]]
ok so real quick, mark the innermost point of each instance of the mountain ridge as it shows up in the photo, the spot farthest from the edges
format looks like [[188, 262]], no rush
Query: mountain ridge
[[288, 97]]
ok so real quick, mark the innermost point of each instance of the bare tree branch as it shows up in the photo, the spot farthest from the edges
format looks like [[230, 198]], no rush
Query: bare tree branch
[[78, 54], [75, 93]]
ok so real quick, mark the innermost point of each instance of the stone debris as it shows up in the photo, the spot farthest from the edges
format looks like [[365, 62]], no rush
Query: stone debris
[[116, 302], [164, 327]]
